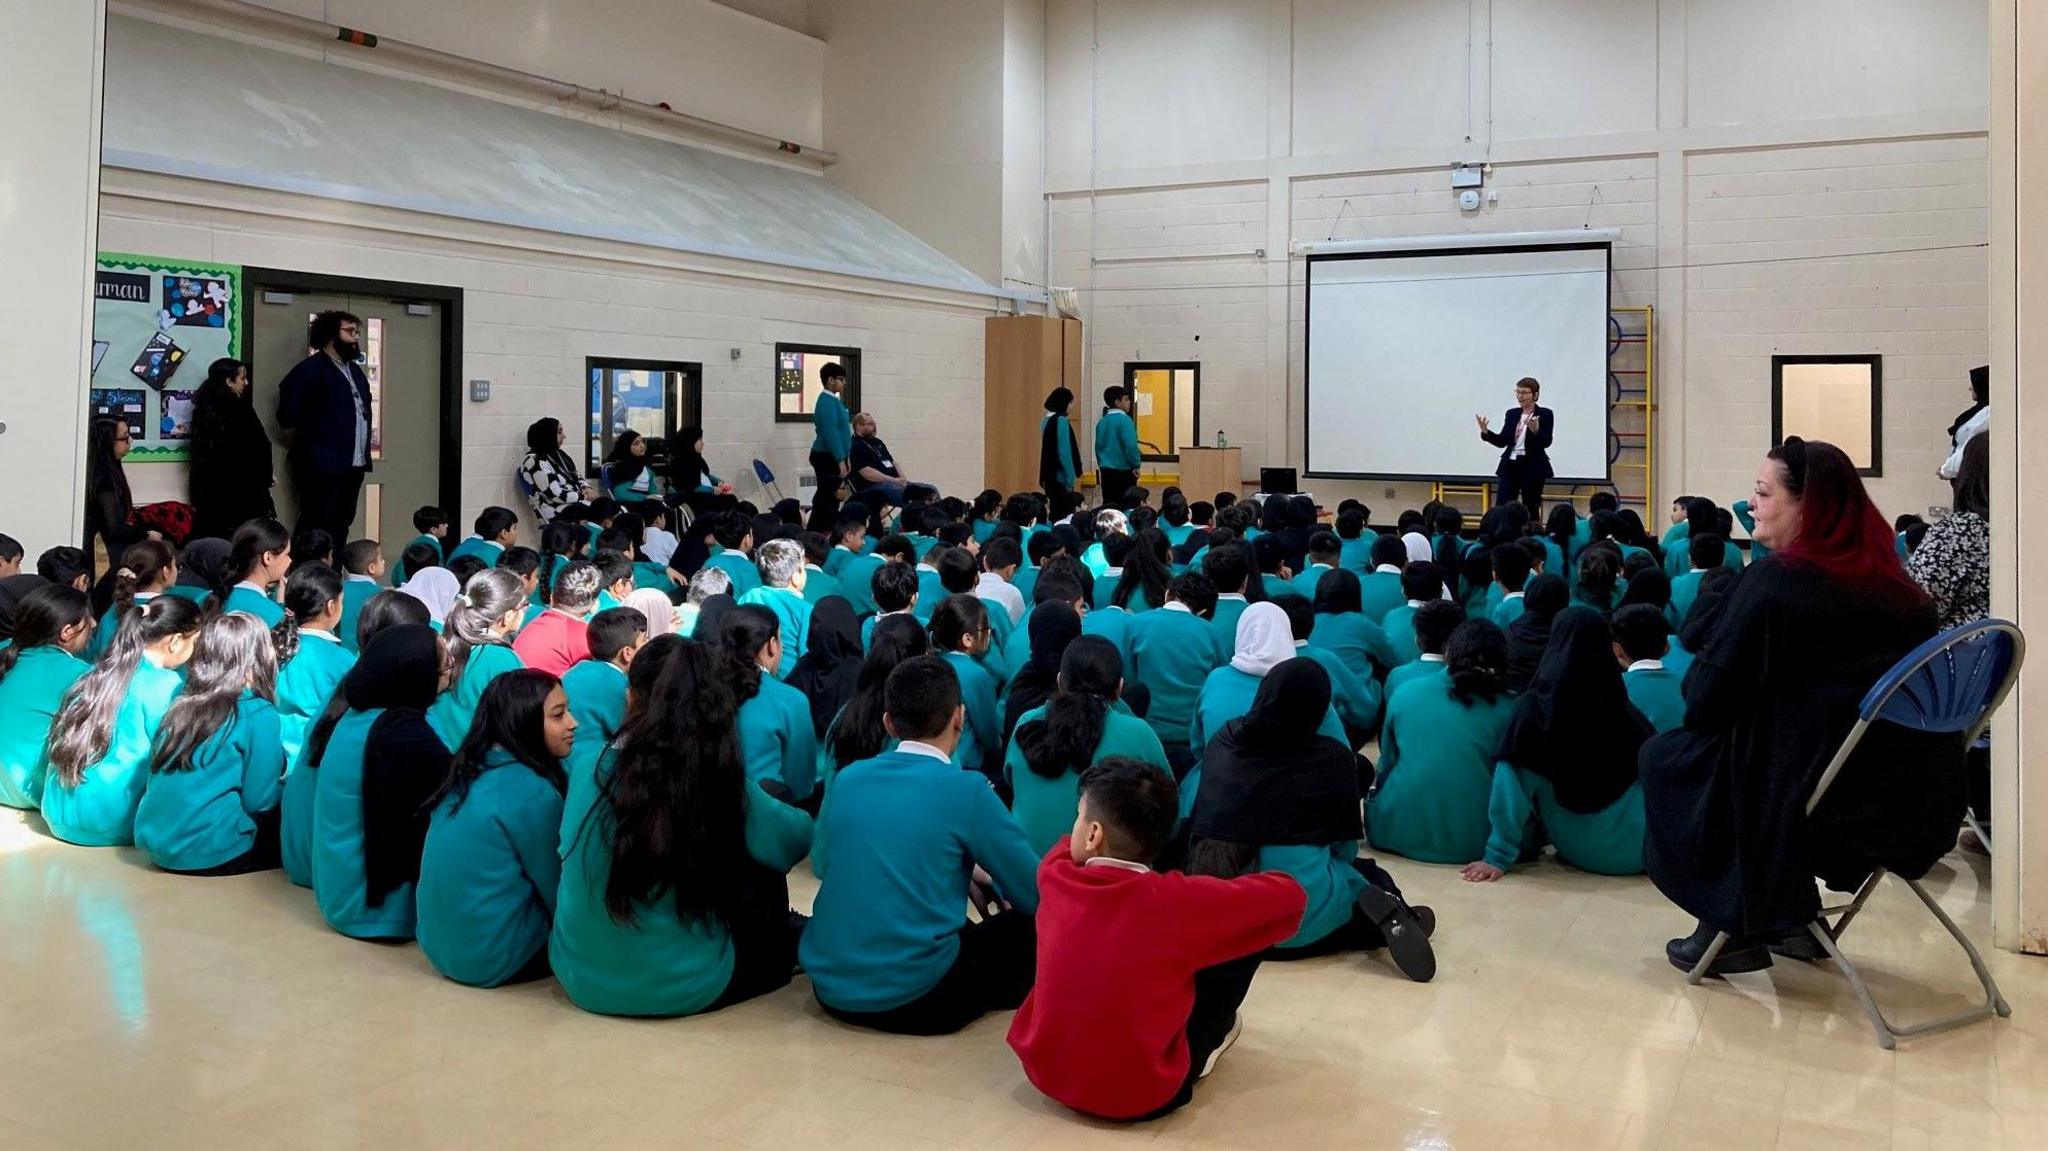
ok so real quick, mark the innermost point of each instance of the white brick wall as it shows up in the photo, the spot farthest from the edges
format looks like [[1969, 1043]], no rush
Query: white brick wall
[[531, 316]]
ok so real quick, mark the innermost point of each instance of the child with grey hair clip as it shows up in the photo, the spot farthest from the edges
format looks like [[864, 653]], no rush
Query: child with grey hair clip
[[560, 637], [783, 576], [485, 616]]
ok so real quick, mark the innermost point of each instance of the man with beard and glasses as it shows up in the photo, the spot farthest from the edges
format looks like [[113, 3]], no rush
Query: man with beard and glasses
[[323, 405]]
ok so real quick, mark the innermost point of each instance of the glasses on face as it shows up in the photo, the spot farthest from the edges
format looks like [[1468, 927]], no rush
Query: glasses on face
[[123, 438]]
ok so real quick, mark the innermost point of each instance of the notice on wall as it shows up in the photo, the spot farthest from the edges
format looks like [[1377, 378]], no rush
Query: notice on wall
[[156, 326]]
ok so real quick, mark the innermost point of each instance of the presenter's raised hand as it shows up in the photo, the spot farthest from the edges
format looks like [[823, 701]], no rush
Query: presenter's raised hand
[[1485, 425]]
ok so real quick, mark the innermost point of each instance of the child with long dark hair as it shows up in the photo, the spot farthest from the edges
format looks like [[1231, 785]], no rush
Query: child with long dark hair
[[210, 805], [311, 660], [102, 738], [147, 570], [674, 897], [478, 633], [259, 556], [961, 631], [489, 870], [857, 732], [376, 769], [1147, 572], [52, 628], [1437, 752], [1078, 727], [776, 739]]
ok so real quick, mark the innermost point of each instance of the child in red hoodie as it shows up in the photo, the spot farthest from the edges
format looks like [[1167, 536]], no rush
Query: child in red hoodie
[[1140, 973], [559, 637]]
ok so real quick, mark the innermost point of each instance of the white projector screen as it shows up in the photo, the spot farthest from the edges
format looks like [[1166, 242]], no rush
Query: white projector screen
[[1405, 347]]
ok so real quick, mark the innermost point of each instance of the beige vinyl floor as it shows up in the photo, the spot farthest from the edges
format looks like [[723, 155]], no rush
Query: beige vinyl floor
[[142, 1010]]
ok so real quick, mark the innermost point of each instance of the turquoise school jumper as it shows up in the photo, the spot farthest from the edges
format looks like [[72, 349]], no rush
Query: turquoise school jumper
[[1379, 592], [100, 811], [1105, 595], [1509, 610], [1223, 623], [1066, 471], [1045, 807], [1173, 650], [1656, 693], [651, 575], [793, 615], [1276, 587], [1356, 555], [835, 560], [1435, 773], [1358, 641], [1116, 446], [898, 839], [596, 691], [1678, 661], [922, 543], [295, 818], [203, 818], [1176, 535], [981, 741], [454, 710], [654, 965], [110, 621], [1426, 665], [1114, 625], [488, 874], [1326, 874], [737, 567], [1226, 695], [1304, 585], [984, 531], [929, 592], [30, 697], [356, 590], [483, 549], [1026, 583], [398, 573], [867, 627], [1685, 591], [1356, 697], [305, 684], [1678, 561], [857, 579], [818, 585], [1399, 627], [834, 428], [1604, 842], [777, 740], [1553, 563], [339, 885], [253, 601]]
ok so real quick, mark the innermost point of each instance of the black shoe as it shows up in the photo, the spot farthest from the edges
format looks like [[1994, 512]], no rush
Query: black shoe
[[1426, 916], [1735, 958], [1800, 945], [1407, 939]]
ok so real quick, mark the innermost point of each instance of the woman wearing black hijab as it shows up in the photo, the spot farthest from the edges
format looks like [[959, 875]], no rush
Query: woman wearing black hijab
[[1276, 795], [690, 476], [1052, 626], [202, 567], [1529, 636], [1059, 450], [1649, 586], [829, 669], [231, 464], [378, 768], [549, 476], [1568, 760]]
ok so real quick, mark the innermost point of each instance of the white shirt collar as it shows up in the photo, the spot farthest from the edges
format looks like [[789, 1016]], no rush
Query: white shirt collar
[[848, 550], [1325, 567], [354, 578], [1417, 604], [319, 632], [1647, 665], [1108, 572], [1432, 657], [1119, 864], [258, 588], [1236, 595], [1176, 605], [1391, 569], [919, 747], [1511, 595], [811, 567]]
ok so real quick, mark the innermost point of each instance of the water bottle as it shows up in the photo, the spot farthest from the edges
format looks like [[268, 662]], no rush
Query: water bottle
[[1220, 441]]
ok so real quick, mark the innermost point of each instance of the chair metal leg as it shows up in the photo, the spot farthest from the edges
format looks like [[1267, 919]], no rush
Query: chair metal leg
[[1855, 905], [1976, 825], [1886, 1037], [1888, 1034], [1700, 969], [1993, 1000]]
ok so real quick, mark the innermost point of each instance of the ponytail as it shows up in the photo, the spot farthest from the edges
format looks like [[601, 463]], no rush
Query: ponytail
[[1065, 739], [307, 592], [859, 733], [472, 620], [559, 538], [251, 542], [84, 726], [742, 633], [40, 619], [142, 564]]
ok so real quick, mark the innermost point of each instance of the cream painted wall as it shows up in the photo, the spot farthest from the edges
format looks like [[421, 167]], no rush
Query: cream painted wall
[[914, 105], [702, 58], [535, 305], [1636, 114], [1023, 248], [49, 173]]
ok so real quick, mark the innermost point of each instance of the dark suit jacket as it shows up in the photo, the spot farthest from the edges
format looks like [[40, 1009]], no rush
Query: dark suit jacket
[[314, 405], [1536, 452]]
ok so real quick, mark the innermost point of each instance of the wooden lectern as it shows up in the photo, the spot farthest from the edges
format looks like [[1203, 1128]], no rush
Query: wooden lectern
[[1206, 471]]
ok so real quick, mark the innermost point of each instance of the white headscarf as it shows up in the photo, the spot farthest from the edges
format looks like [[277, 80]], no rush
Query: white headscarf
[[436, 587], [1265, 640], [1418, 547], [656, 606]]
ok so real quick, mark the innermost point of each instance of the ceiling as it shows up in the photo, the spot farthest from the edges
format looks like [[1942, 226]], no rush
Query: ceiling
[[797, 15]]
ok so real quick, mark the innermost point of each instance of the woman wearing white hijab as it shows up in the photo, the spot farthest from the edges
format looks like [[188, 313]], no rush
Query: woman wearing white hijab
[[436, 587], [1418, 547], [1265, 640], [657, 607]]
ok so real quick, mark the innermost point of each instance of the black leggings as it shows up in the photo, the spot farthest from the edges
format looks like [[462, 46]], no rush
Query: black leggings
[[764, 935]]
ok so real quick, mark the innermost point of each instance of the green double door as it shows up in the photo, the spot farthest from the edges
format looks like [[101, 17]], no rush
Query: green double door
[[402, 356]]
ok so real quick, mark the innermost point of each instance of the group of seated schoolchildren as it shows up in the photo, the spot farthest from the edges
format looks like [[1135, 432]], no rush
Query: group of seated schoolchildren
[[1126, 739]]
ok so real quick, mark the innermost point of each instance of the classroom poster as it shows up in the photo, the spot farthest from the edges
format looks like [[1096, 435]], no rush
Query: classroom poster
[[156, 326]]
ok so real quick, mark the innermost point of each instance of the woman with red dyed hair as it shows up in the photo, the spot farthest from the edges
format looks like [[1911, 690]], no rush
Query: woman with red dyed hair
[[1795, 644]]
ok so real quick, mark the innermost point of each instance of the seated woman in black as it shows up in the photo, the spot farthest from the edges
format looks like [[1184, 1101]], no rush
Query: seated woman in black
[[1774, 688]]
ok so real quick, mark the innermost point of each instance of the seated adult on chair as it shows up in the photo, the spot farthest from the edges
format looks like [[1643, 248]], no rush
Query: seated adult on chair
[[1773, 690], [690, 476], [876, 478]]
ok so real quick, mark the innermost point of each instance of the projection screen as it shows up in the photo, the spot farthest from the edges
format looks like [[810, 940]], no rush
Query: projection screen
[[1404, 347]]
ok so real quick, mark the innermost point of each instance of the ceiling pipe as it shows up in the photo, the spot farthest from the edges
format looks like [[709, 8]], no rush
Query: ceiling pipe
[[245, 16]]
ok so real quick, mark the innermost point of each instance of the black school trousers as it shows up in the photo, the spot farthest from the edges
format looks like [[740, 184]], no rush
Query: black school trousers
[[997, 964]]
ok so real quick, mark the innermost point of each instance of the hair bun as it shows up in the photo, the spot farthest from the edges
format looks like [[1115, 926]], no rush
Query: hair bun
[[124, 573]]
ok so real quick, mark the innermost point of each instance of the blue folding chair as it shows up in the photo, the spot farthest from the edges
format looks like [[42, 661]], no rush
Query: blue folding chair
[[1952, 683], [767, 479]]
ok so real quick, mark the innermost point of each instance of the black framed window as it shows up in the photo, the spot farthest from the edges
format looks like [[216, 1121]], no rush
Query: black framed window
[[1166, 404], [796, 379], [1838, 399], [652, 397]]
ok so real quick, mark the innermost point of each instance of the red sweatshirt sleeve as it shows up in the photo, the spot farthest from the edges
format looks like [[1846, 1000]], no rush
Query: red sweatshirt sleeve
[[1230, 918]]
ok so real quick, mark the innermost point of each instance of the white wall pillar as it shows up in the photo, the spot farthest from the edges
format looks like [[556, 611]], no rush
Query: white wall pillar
[[2019, 357], [49, 221]]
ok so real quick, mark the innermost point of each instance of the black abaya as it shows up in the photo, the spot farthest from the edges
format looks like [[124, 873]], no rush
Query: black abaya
[[1774, 690]]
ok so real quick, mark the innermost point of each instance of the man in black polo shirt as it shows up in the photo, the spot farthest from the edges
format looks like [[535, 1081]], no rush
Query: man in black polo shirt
[[877, 480]]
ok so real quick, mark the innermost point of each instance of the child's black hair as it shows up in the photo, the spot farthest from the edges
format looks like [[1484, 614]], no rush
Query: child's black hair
[[920, 697], [1137, 804], [426, 519], [1434, 623], [1642, 631], [359, 555], [1422, 580], [893, 586], [493, 522], [613, 630]]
